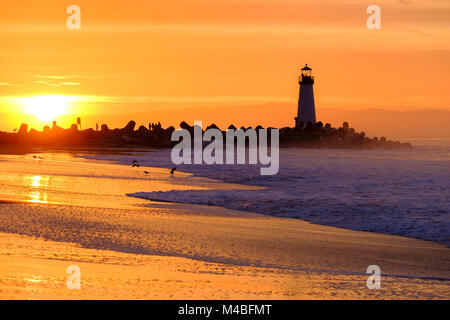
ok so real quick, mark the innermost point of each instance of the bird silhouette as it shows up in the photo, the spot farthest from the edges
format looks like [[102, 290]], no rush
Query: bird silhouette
[[146, 172], [40, 158], [134, 161], [135, 165], [35, 157], [172, 170]]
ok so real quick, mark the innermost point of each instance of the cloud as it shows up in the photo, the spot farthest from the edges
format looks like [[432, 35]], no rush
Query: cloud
[[7, 84], [68, 76], [405, 2], [158, 99], [51, 77], [54, 83], [69, 83], [193, 99]]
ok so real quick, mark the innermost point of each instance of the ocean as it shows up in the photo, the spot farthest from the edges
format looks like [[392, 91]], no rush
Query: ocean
[[400, 192]]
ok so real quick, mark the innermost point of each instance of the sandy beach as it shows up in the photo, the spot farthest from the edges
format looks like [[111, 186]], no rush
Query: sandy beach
[[64, 211], [225, 150]]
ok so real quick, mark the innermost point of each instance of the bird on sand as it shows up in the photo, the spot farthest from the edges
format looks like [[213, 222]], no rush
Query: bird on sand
[[172, 170], [146, 172], [134, 163]]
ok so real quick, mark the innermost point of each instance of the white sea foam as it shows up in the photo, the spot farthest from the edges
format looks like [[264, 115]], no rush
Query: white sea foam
[[403, 192]]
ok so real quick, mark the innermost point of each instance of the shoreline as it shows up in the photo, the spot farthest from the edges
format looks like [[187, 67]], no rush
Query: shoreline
[[40, 264], [289, 238], [129, 248], [154, 159], [126, 276], [205, 211]]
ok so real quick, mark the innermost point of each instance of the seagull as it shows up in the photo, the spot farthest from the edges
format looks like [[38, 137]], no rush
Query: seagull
[[135, 165], [146, 172], [40, 158], [35, 157], [173, 170], [134, 161]]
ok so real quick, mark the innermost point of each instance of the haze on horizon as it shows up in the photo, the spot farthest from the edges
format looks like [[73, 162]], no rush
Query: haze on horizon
[[175, 60]]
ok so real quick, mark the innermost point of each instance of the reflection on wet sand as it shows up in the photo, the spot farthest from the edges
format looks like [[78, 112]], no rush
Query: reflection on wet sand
[[39, 185], [63, 179], [132, 248]]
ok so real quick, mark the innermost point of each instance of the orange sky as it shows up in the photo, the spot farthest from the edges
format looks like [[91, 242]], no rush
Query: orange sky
[[135, 57]]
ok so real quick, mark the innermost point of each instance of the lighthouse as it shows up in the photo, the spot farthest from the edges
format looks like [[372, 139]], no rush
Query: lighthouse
[[306, 108]]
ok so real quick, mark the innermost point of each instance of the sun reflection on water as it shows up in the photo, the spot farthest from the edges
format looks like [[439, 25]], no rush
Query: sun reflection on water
[[34, 279], [38, 184]]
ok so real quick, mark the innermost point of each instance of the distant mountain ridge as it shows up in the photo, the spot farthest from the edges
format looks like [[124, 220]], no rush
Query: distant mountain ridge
[[374, 122], [414, 123]]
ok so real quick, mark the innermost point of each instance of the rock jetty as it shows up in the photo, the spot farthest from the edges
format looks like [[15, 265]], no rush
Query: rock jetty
[[155, 136]]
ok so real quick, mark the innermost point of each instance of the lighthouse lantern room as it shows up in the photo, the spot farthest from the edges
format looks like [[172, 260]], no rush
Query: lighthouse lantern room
[[306, 108]]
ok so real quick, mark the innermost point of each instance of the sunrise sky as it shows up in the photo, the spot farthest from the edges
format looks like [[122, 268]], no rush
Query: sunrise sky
[[176, 59]]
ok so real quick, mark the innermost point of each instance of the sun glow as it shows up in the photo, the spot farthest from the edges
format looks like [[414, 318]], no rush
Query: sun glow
[[46, 108]]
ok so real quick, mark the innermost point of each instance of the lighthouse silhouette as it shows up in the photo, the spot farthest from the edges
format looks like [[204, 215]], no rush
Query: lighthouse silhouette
[[306, 108]]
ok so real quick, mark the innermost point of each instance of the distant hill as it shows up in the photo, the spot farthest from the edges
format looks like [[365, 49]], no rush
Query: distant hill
[[375, 122], [417, 123]]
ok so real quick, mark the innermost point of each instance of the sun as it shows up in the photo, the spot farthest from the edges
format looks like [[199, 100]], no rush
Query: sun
[[46, 108]]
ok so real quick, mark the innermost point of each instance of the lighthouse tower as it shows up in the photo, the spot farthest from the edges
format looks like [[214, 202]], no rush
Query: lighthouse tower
[[306, 109]]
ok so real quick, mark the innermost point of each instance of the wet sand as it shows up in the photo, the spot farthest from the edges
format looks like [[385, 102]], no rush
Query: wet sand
[[128, 248], [32, 268]]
